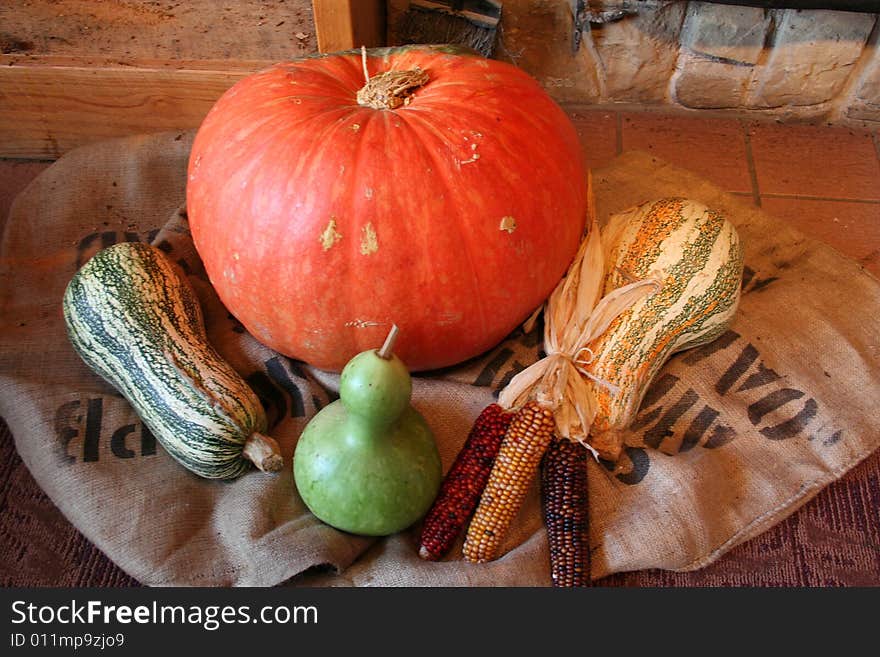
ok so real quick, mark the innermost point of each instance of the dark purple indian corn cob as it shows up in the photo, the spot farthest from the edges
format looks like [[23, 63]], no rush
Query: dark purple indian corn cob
[[464, 483], [566, 516]]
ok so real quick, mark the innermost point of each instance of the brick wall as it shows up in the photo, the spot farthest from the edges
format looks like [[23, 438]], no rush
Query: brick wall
[[784, 63]]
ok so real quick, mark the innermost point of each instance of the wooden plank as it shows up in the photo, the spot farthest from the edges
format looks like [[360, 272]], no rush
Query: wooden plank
[[347, 24], [72, 71], [45, 111], [130, 31], [368, 21]]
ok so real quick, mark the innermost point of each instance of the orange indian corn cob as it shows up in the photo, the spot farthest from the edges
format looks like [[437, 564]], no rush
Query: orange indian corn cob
[[564, 505], [464, 483], [524, 444]]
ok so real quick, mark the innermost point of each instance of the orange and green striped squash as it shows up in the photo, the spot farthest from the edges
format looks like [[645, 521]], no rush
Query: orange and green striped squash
[[696, 256]]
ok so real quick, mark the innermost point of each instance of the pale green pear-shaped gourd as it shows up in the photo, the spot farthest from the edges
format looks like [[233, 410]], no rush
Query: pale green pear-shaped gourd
[[368, 464]]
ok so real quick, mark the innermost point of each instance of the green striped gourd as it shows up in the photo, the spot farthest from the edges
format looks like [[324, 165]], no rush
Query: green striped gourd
[[696, 256], [136, 321]]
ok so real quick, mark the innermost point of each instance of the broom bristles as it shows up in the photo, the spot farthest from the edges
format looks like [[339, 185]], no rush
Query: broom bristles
[[425, 26]]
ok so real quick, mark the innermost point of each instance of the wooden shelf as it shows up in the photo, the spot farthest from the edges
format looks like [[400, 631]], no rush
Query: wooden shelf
[[73, 71]]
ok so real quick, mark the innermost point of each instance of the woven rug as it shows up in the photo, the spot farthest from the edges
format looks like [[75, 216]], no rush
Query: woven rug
[[831, 541]]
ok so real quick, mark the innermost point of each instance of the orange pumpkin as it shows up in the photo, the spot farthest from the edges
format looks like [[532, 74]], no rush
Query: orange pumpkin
[[448, 197]]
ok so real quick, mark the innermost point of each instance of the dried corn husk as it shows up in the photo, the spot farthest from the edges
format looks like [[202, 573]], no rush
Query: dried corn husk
[[575, 315]]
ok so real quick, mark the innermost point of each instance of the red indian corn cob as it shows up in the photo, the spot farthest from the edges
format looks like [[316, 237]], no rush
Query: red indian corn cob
[[524, 444], [464, 483], [564, 505]]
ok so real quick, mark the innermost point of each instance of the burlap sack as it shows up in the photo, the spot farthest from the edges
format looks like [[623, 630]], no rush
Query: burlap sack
[[731, 438]]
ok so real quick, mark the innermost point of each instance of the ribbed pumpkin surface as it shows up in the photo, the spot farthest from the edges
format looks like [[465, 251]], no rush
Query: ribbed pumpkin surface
[[321, 221]]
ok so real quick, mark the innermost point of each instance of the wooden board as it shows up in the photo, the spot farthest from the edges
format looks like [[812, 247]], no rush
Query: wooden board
[[48, 110], [346, 24], [73, 71]]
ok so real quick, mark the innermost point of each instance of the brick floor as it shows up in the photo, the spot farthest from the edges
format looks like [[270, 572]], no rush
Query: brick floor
[[824, 181], [714, 149], [816, 162], [599, 136]]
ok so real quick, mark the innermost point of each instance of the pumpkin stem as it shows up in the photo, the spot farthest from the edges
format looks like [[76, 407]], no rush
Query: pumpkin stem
[[391, 89], [263, 452], [364, 64]]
